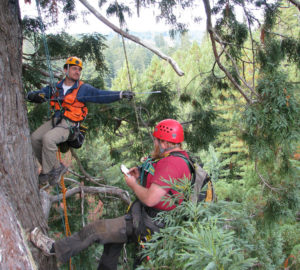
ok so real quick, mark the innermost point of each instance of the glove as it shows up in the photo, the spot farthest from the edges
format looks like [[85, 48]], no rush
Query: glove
[[36, 97], [127, 94]]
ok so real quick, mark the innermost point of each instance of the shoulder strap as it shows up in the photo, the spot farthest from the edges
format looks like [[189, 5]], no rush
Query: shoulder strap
[[147, 167], [188, 162], [205, 179]]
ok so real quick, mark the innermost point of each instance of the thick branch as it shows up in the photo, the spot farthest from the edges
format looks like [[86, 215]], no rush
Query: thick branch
[[213, 41], [296, 3], [123, 194], [133, 38], [47, 200], [43, 72]]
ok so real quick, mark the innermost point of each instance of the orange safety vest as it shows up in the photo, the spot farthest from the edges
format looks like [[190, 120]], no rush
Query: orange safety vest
[[73, 109]]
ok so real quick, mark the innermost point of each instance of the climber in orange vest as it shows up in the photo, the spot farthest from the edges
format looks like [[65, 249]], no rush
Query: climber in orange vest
[[68, 102]]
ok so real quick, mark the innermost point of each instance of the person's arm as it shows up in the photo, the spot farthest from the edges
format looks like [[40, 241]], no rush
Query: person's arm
[[88, 93], [149, 196], [39, 96]]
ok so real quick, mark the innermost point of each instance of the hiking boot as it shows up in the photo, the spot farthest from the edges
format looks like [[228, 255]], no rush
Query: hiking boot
[[44, 178], [56, 174], [42, 241]]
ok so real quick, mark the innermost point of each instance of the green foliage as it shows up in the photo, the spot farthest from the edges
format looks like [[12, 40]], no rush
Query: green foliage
[[202, 236], [118, 10], [230, 29], [62, 45], [37, 114], [160, 106], [138, 57], [291, 48], [291, 235], [273, 122], [202, 131], [212, 163]]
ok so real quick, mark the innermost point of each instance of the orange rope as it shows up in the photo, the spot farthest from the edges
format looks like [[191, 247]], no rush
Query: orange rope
[[64, 190], [286, 262]]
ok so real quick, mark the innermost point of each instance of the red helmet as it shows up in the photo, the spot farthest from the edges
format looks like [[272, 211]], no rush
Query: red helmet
[[169, 130]]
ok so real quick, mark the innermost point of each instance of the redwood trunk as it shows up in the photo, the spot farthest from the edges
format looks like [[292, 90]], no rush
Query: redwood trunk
[[19, 204]]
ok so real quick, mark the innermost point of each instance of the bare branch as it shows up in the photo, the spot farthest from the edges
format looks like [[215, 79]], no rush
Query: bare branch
[[121, 193], [86, 175], [133, 38], [234, 64], [265, 181], [47, 200], [213, 38], [196, 76], [296, 3], [43, 72]]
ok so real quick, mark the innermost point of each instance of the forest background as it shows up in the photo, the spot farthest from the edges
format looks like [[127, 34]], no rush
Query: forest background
[[248, 143]]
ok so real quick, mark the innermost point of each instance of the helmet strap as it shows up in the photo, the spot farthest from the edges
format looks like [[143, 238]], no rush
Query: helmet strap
[[67, 74]]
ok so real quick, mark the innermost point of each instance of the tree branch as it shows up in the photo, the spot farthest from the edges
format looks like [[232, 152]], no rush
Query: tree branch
[[123, 194], [265, 181], [213, 41], [43, 72], [133, 38], [47, 200], [296, 3], [86, 175]]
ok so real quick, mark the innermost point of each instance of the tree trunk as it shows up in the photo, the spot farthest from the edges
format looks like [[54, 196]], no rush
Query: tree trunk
[[20, 205]]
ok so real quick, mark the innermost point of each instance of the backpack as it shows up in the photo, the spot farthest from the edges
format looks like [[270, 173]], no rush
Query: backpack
[[203, 189]]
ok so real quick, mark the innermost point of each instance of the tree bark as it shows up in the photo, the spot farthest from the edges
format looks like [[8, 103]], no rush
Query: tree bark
[[20, 205]]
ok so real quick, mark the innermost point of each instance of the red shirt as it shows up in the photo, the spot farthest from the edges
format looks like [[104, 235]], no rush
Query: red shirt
[[170, 167]]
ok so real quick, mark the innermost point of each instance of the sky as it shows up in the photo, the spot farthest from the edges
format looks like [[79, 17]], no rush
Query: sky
[[146, 21]]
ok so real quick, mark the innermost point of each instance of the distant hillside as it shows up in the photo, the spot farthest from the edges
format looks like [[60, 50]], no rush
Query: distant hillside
[[150, 36]]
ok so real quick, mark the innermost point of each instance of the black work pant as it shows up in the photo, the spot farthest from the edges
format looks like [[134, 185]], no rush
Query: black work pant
[[110, 256], [112, 233]]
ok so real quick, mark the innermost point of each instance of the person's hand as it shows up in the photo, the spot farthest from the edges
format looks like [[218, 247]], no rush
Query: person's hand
[[36, 97], [127, 94], [130, 180], [134, 172]]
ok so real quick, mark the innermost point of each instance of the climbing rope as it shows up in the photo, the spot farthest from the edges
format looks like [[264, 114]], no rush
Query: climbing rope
[[130, 84], [66, 221], [52, 83], [64, 190]]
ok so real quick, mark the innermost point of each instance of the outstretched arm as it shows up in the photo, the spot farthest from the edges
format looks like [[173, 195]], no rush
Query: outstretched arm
[[88, 93]]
